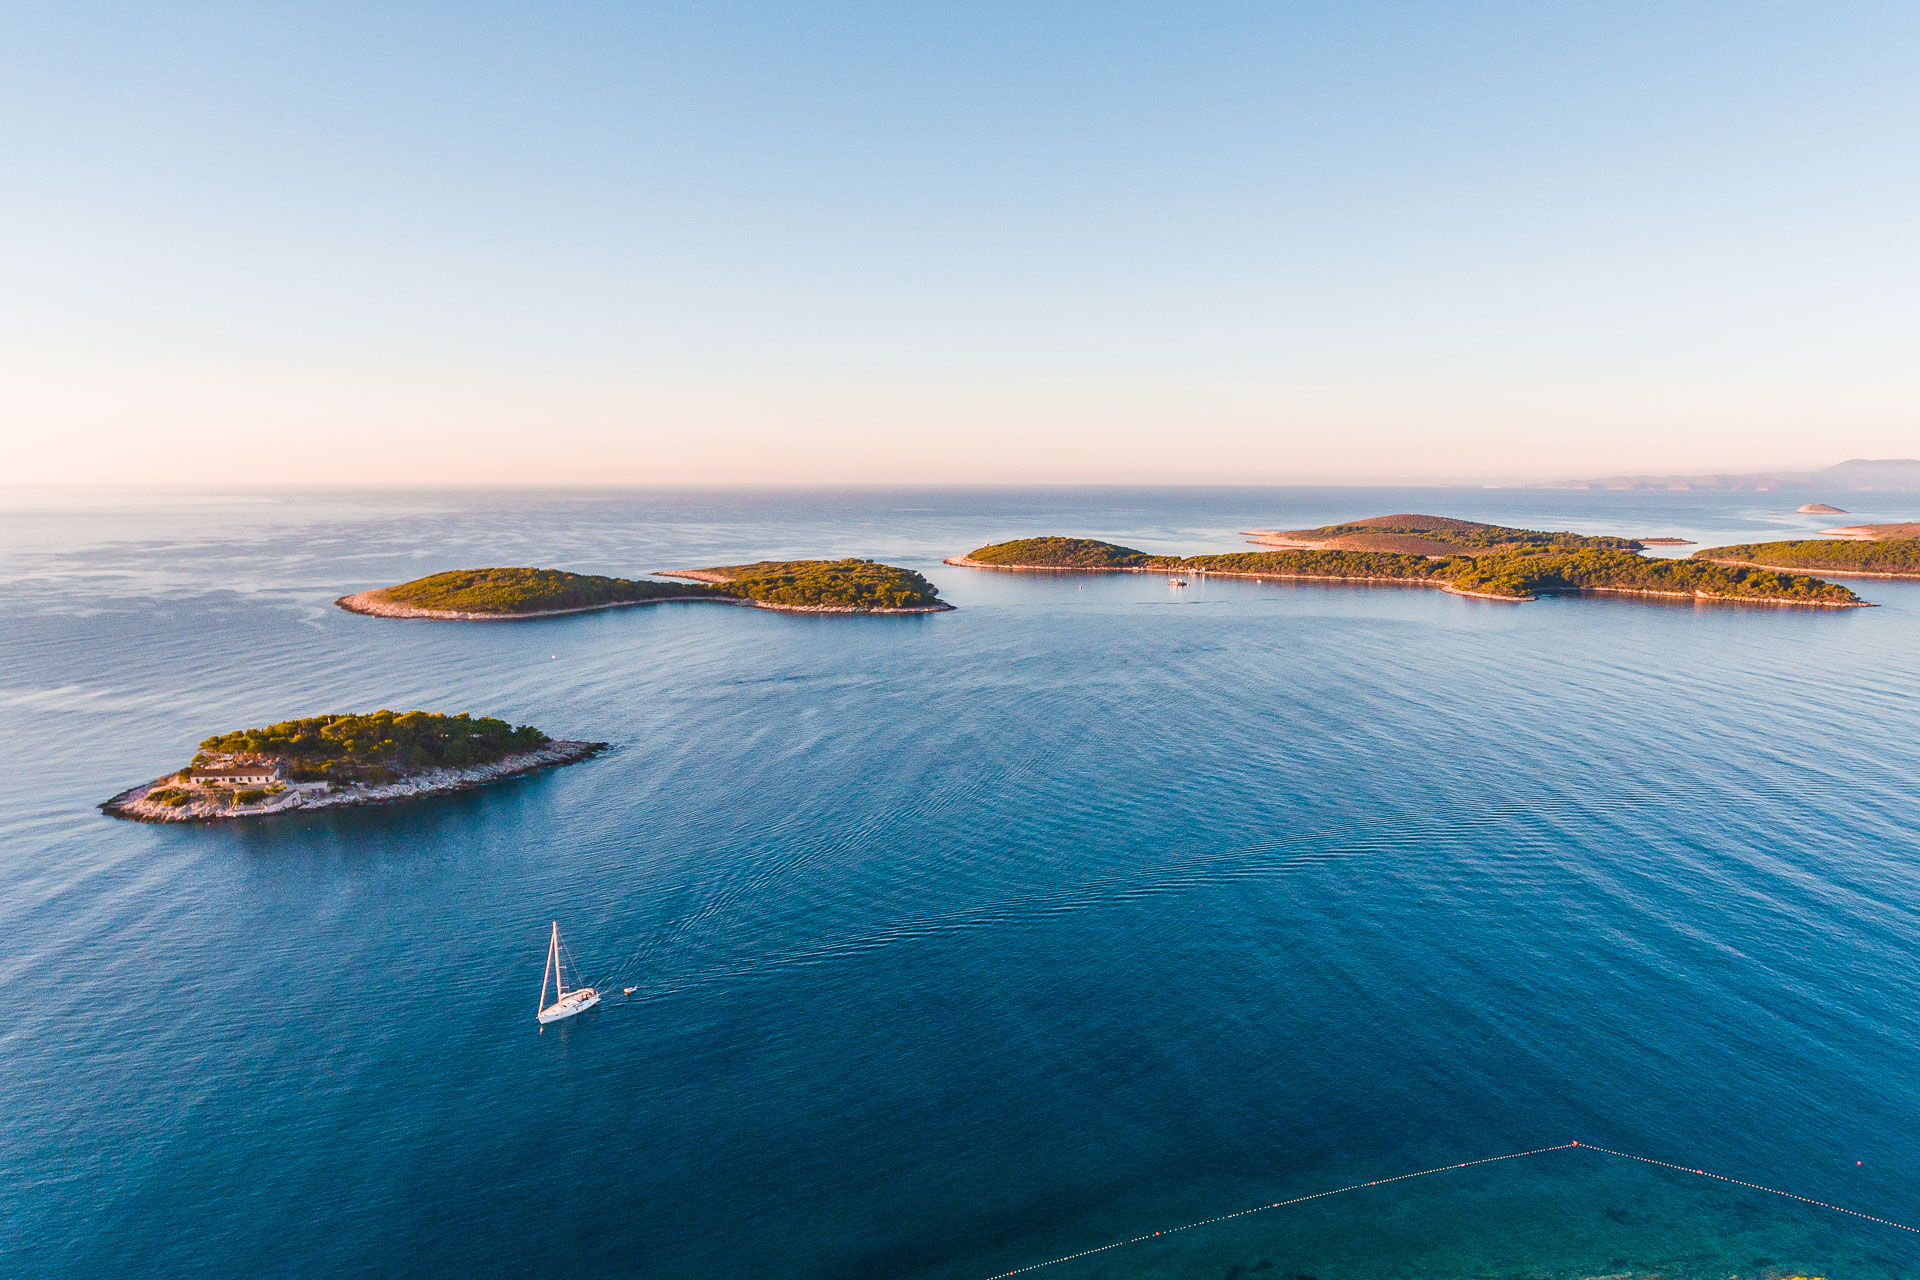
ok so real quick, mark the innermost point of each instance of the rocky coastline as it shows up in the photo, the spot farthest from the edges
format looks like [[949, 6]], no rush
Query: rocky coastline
[[1823, 571], [134, 805], [374, 605]]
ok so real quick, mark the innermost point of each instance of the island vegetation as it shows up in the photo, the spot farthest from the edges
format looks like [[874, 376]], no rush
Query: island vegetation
[[380, 747], [842, 585], [1065, 553], [326, 760], [826, 586], [1517, 569], [1524, 576], [528, 591], [1892, 557], [1338, 566]]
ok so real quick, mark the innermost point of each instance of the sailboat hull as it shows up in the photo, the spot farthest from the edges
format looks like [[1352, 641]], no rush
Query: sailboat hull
[[578, 1001]]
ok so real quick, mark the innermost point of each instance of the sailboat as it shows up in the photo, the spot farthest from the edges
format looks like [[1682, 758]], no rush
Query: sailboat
[[565, 1003]]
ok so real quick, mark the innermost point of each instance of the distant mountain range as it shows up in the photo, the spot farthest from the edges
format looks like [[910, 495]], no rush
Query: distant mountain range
[[1854, 474]]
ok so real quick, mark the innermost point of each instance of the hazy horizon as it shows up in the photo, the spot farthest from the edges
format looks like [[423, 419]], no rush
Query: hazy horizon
[[1319, 245], [1571, 483]]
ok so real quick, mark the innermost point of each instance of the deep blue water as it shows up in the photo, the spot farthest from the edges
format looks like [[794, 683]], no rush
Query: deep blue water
[[961, 942]]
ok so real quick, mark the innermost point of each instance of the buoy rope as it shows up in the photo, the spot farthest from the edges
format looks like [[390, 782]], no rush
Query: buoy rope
[[1772, 1191], [1447, 1168], [1278, 1204]]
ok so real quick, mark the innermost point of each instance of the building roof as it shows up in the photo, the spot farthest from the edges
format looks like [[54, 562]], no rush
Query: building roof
[[234, 771]]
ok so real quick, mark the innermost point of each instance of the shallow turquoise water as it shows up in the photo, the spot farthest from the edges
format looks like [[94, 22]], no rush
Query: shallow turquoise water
[[961, 942]]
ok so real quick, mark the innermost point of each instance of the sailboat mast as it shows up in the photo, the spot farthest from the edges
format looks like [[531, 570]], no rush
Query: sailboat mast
[[559, 966], [548, 971]]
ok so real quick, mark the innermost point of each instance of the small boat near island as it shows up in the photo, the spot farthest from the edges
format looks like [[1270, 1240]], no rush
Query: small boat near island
[[1470, 559], [565, 1003]]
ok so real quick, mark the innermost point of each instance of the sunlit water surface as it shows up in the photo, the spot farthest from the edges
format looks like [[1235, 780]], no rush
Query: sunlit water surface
[[959, 942]]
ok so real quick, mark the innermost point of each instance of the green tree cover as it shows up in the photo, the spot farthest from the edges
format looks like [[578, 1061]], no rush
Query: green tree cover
[[1471, 534], [1384, 565], [1085, 553], [1523, 575], [1894, 555], [1066, 553], [836, 584], [529, 590], [378, 747], [1517, 574], [844, 584]]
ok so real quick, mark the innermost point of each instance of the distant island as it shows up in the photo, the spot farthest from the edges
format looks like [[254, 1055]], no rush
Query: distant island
[[335, 760], [1817, 509], [1853, 474], [1420, 535], [1848, 557], [502, 594], [1459, 556]]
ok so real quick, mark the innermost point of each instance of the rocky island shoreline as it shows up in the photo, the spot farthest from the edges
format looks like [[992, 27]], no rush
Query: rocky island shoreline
[[376, 604], [332, 762], [788, 586]]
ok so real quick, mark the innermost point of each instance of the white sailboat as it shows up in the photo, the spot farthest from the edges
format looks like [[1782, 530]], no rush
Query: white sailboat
[[565, 1003]]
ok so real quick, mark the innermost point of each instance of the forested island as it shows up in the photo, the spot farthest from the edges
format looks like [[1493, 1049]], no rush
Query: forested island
[[810, 586], [1504, 564], [820, 586], [1889, 558], [511, 593], [333, 760]]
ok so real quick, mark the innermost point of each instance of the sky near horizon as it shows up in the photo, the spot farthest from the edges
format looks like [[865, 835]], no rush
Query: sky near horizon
[[640, 243]]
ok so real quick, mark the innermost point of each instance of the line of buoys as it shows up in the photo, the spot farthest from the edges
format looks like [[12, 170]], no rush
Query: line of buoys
[[1772, 1191], [1278, 1204], [1446, 1168]]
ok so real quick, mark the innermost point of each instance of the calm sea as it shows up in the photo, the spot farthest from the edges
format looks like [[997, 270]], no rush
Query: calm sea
[[964, 942]]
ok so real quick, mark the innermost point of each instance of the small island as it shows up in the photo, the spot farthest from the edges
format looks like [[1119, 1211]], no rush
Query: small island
[[1848, 558], [1491, 562], [330, 761], [1818, 509], [506, 594], [1413, 534], [820, 586]]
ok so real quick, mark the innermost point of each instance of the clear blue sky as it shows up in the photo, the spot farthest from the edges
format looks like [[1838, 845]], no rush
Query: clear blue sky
[[669, 242]]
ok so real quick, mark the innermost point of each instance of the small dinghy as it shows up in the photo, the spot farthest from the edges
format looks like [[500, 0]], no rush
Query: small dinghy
[[565, 1003]]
